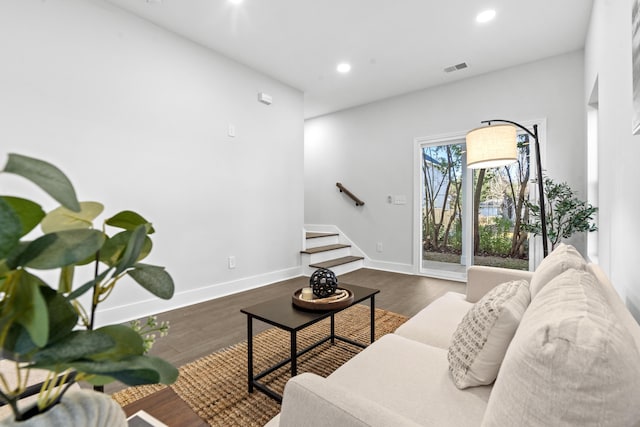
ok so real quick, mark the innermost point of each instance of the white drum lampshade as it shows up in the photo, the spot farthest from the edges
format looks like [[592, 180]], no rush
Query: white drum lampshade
[[492, 146]]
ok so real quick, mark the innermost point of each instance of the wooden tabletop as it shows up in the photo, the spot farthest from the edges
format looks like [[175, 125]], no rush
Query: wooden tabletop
[[168, 407], [282, 313]]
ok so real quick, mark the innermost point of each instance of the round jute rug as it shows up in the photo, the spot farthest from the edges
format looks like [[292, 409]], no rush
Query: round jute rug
[[215, 386]]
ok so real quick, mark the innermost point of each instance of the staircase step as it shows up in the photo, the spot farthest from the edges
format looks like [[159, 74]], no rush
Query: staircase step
[[324, 249], [336, 262], [315, 235]]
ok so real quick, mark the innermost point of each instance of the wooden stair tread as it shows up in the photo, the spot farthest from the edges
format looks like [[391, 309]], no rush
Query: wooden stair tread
[[336, 262], [315, 235], [324, 248]]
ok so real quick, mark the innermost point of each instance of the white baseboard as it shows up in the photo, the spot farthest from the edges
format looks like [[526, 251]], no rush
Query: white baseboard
[[394, 267], [140, 309]]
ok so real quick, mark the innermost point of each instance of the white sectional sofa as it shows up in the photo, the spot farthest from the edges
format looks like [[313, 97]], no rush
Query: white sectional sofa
[[568, 355]]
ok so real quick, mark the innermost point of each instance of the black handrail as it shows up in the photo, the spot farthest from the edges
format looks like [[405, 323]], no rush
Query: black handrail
[[350, 194]]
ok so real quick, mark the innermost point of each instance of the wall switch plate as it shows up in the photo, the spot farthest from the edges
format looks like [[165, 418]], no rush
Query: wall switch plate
[[379, 247], [231, 130], [400, 200], [232, 262]]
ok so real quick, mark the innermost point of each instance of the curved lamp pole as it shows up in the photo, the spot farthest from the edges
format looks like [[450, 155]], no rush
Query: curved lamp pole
[[489, 160]]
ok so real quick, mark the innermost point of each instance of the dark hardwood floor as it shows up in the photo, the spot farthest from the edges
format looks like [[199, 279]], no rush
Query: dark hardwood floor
[[204, 328]]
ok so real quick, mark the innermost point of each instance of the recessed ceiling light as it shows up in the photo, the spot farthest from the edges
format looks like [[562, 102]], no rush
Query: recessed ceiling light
[[343, 67], [486, 16], [235, 1]]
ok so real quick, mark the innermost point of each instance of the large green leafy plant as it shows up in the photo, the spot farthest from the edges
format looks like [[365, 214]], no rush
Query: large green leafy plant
[[565, 213], [46, 327]]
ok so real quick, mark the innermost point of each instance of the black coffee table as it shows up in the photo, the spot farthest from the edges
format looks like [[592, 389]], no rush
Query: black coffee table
[[281, 312]]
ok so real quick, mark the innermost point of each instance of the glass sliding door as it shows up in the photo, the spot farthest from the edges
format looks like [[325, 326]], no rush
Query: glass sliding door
[[442, 225], [499, 210]]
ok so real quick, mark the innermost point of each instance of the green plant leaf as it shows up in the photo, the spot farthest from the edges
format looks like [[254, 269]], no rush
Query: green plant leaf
[[13, 259], [61, 248], [62, 319], [100, 380], [29, 213], [127, 343], [113, 249], [133, 250], [10, 229], [153, 278], [46, 176], [134, 370], [31, 308], [89, 285], [77, 345], [61, 218], [129, 220], [62, 316]]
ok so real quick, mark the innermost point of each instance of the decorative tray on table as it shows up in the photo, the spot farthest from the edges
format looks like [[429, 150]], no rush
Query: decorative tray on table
[[340, 299]]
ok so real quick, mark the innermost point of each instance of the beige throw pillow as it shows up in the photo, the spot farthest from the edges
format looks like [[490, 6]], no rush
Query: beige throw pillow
[[570, 363], [557, 262], [479, 343]]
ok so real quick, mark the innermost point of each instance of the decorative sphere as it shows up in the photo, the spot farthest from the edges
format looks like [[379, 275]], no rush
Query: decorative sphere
[[323, 282]]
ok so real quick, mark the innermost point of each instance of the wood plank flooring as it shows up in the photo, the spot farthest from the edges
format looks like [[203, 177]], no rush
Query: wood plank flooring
[[204, 328]]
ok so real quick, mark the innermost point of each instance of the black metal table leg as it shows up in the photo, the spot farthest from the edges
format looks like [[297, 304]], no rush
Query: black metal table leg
[[250, 351], [373, 318], [333, 329], [294, 354]]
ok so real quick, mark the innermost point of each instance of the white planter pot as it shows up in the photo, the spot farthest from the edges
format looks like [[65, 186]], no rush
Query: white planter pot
[[82, 408]]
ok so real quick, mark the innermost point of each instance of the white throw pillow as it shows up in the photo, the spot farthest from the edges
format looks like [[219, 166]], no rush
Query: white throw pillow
[[479, 343], [570, 363], [557, 262]]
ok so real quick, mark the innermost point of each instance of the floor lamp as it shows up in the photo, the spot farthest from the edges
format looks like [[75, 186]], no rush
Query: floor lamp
[[496, 145]]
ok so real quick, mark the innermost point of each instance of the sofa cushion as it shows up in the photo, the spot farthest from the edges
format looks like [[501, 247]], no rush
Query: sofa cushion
[[312, 401], [570, 362], [413, 379], [618, 307], [435, 324], [481, 340], [560, 260]]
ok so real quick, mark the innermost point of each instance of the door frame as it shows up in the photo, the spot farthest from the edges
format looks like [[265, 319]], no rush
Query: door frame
[[535, 243]]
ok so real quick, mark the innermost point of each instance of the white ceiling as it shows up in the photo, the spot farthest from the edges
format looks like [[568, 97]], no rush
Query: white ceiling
[[394, 46]]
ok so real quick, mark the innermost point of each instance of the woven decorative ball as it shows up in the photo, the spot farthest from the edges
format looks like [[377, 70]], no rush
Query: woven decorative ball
[[323, 282]]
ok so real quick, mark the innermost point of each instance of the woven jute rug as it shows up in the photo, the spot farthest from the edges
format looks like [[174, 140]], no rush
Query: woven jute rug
[[215, 386]]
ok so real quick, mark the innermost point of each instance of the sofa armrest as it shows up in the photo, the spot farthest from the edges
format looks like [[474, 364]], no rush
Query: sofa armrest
[[481, 279], [310, 400]]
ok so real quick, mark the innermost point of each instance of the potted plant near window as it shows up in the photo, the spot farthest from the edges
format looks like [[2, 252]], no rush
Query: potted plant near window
[[44, 326], [565, 213]]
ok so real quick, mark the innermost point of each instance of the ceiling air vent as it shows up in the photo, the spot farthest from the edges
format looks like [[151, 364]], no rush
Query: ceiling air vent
[[460, 66]]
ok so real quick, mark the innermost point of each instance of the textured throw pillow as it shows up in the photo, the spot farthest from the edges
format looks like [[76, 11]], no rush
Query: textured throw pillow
[[479, 343], [570, 363], [557, 262]]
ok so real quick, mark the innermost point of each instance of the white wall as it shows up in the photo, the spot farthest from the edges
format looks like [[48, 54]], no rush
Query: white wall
[[137, 117], [370, 148], [608, 60]]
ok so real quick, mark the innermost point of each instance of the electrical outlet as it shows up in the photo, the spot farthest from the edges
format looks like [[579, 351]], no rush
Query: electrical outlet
[[232, 262], [379, 246]]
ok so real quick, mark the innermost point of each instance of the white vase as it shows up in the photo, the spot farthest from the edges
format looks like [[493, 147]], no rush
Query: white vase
[[81, 408]]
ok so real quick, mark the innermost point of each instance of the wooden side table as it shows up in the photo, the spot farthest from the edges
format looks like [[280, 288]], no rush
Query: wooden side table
[[168, 407]]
